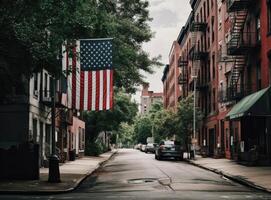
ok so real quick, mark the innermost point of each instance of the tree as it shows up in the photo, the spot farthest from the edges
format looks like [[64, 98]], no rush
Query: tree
[[185, 115], [124, 110], [126, 134], [142, 129], [32, 33]]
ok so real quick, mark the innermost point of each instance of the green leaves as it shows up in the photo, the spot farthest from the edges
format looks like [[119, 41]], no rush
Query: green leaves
[[185, 116], [168, 124], [39, 28], [124, 112]]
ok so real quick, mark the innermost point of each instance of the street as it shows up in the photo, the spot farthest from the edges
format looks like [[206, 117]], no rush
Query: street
[[132, 174]]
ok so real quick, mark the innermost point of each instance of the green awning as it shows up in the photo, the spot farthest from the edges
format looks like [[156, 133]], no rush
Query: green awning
[[256, 104]]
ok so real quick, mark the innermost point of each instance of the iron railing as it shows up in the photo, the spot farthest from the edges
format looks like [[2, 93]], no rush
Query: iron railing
[[241, 43], [237, 5], [233, 93]]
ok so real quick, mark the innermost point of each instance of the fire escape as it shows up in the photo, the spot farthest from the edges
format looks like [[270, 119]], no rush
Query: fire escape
[[198, 53], [238, 47]]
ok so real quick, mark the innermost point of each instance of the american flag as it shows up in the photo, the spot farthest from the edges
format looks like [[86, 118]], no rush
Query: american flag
[[90, 81]]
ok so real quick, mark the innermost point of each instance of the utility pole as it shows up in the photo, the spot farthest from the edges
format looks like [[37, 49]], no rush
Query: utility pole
[[194, 118], [54, 174]]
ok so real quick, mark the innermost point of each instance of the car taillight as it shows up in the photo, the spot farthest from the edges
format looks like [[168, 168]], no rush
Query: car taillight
[[162, 147]]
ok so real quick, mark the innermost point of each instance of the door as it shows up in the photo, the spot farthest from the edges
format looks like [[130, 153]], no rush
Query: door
[[222, 136], [211, 142]]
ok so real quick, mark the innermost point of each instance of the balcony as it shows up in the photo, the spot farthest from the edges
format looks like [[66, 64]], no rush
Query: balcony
[[198, 27], [241, 43], [60, 100], [233, 93], [197, 54], [182, 79], [238, 5]]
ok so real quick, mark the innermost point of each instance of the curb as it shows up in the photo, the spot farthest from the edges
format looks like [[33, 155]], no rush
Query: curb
[[237, 179], [75, 186]]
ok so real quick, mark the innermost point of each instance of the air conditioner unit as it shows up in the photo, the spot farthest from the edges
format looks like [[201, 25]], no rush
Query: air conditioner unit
[[36, 92]]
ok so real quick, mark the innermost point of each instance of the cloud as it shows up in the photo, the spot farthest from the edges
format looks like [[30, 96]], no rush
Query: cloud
[[168, 18]]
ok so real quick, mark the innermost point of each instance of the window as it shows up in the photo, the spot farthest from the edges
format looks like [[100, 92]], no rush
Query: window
[[213, 64], [209, 102], [46, 85], [208, 7], [201, 20], [258, 28], [35, 84], [213, 29], [208, 71], [269, 17], [204, 11], [214, 100]]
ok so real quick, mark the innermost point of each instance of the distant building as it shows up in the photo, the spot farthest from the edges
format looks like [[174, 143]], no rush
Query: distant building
[[148, 98]]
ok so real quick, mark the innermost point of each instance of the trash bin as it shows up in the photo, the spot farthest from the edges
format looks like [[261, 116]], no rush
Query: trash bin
[[72, 155]]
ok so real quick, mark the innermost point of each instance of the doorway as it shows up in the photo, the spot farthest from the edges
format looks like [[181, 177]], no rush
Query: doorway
[[211, 142]]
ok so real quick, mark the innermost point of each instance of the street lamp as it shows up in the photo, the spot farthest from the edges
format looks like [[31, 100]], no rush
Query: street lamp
[[195, 70], [54, 174]]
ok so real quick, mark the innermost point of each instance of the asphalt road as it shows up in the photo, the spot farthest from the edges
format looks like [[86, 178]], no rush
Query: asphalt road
[[135, 175]]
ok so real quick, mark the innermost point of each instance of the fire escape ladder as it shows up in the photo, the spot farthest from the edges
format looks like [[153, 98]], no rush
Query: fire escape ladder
[[237, 29], [239, 58]]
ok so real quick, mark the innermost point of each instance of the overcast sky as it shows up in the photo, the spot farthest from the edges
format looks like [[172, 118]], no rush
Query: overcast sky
[[168, 18]]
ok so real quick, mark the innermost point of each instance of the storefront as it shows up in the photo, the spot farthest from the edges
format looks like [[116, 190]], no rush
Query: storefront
[[251, 140]]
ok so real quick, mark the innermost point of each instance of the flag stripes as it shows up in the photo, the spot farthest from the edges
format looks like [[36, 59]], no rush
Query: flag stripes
[[86, 89]]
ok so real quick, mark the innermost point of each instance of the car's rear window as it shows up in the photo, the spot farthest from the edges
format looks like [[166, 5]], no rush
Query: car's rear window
[[169, 142]]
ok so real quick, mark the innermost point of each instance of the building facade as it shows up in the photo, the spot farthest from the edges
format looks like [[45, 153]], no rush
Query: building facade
[[171, 88], [30, 114], [148, 98], [225, 50]]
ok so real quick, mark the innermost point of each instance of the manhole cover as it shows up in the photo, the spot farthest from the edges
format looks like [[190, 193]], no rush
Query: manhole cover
[[141, 180]]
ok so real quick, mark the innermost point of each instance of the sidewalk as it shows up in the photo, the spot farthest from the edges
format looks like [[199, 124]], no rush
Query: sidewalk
[[72, 173], [256, 177]]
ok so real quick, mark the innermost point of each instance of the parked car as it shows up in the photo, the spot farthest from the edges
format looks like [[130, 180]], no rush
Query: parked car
[[169, 149], [137, 146], [143, 148], [150, 148]]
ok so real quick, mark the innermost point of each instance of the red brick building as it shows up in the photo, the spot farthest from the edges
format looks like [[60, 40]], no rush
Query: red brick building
[[148, 98], [229, 43], [171, 88]]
